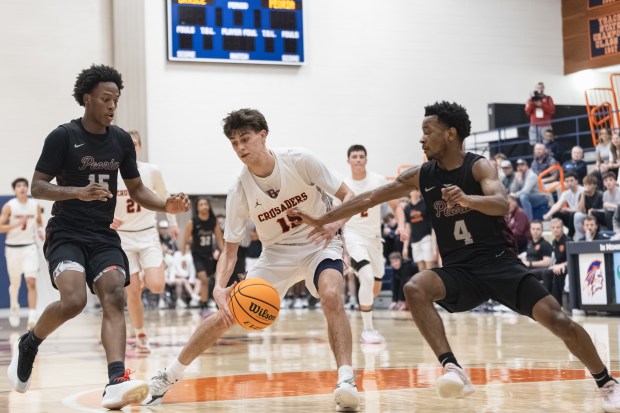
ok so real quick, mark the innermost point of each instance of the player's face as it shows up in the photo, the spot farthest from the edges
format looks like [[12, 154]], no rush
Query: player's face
[[101, 103], [536, 231], [557, 229], [203, 206], [435, 137], [21, 189], [357, 160], [249, 145]]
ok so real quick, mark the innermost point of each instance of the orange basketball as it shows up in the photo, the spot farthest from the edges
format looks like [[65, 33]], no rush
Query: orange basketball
[[254, 304]]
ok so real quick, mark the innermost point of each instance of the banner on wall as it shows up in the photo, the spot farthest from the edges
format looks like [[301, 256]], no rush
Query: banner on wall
[[604, 35], [598, 3], [593, 279]]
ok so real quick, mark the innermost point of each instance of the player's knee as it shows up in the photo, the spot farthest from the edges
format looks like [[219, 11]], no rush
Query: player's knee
[[561, 325], [73, 305], [31, 284], [331, 301], [113, 298], [416, 289], [156, 286]]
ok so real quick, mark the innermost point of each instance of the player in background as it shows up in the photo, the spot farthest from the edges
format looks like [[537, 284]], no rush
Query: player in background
[[271, 182], [468, 207], [140, 240], [362, 236], [21, 221], [85, 157], [199, 234]]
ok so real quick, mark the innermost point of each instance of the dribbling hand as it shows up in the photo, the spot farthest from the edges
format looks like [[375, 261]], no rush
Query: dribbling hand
[[305, 218], [94, 192], [177, 203], [453, 195], [221, 297]]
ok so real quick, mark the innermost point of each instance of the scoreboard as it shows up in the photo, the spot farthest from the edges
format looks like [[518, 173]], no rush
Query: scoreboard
[[248, 31]]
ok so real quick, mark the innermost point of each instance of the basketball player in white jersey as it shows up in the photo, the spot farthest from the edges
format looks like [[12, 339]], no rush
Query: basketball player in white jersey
[[362, 236], [140, 240], [21, 220], [271, 182]]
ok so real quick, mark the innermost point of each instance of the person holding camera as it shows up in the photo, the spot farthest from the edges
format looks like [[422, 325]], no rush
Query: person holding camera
[[540, 108]]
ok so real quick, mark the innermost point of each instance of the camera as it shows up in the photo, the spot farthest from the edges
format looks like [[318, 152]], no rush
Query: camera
[[536, 96]]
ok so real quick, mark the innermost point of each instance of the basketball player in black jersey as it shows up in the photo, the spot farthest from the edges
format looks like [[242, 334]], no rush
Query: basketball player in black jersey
[[85, 156], [468, 205], [199, 232]]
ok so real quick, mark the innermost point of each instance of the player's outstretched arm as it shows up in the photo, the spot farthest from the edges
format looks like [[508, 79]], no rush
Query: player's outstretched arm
[[149, 200], [401, 186], [43, 189], [493, 202], [225, 267]]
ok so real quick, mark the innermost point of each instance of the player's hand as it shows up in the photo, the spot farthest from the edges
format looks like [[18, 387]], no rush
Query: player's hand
[[453, 195], [174, 231], [116, 222], [23, 223], [94, 192], [41, 234], [305, 218], [221, 297], [323, 234], [177, 203], [402, 231]]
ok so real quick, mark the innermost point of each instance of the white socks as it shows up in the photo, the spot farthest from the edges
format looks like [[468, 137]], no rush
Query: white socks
[[367, 320], [345, 373], [175, 370]]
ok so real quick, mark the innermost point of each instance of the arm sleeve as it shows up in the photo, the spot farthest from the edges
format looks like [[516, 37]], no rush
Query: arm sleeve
[[237, 214], [530, 180], [129, 166], [53, 154], [314, 172]]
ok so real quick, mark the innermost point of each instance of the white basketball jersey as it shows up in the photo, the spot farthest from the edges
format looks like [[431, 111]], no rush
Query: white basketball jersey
[[134, 217], [269, 214], [366, 223], [22, 236]]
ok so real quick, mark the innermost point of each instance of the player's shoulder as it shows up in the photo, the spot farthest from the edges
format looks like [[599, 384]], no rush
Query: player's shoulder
[[120, 134], [295, 154]]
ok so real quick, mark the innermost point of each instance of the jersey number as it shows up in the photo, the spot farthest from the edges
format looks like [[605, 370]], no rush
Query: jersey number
[[101, 179], [132, 206], [205, 240], [295, 221], [461, 233]]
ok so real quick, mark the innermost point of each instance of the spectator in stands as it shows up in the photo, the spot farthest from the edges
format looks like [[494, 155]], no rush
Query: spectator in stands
[[567, 204], [402, 270], [518, 223], [391, 240], [498, 158], [554, 277], [540, 108], [603, 151], [508, 172], [525, 188], [576, 163], [611, 199], [537, 256], [552, 147], [616, 224], [591, 201], [165, 237], [590, 228], [418, 224], [542, 161], [614, 157]]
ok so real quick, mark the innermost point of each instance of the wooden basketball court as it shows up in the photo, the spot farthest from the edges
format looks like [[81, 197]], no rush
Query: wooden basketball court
[[516, 365]]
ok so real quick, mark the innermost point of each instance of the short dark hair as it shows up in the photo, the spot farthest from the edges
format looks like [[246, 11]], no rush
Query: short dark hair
[[89, 78], [591, 218], [571, 174], [451, 115], [590, 179], [609, 174], [537, 221], [18, 180], [549, 131], [242, 120], [395, 256], [356, 148]]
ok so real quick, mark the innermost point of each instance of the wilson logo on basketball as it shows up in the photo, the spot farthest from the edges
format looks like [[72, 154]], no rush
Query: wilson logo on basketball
[[261, 312]]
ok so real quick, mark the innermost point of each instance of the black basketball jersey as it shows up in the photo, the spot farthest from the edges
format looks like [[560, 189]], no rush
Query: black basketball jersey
[[419, 221], [77, 157], [202, 235], [462, 234]]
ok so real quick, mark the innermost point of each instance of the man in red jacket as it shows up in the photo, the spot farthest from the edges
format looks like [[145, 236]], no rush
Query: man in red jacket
[[540, 108]]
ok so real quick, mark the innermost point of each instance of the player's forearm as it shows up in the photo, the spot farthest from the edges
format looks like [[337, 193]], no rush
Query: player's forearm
[[493, 205], [148, 199], [50, 192], [225, 267]]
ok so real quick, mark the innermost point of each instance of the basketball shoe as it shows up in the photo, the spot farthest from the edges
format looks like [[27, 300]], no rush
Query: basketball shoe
[[158, 387], [20, 368], [14, 316], [454, 383], [32, 319], [371, 337], [123, 391], [346, 395], [142, 343], [610, 393]]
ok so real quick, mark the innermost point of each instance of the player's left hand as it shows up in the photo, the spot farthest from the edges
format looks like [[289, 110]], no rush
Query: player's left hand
[[177, 203], [305, 218], [453, 195], [323, 234]]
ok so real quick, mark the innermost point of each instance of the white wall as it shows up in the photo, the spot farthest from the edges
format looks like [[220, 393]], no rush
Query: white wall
[[45, 44], [370, 68]]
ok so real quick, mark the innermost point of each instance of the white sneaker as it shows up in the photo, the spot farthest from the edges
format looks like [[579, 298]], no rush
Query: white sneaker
[[14, 317], [180, 304], [32, 319], [346, 396], [142, 343], [454, 383], [124, 391], [20, 368], [371, 337], [610, 393], [158, 386]]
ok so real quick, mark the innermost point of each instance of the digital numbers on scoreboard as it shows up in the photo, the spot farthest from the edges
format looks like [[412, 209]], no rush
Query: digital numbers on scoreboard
[[250, 31]]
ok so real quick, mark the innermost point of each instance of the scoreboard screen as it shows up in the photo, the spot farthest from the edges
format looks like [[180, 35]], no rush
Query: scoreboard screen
[[249, 31]]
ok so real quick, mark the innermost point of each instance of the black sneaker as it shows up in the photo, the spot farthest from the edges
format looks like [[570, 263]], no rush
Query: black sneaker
[[20, 369]]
